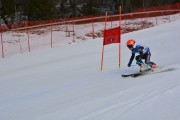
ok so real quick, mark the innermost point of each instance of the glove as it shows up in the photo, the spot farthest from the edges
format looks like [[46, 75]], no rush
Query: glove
[[129, 65]]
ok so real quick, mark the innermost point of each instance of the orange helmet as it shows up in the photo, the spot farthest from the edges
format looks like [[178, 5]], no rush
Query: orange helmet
[[130, 43]]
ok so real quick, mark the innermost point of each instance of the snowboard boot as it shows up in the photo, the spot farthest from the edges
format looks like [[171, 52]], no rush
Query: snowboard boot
[[143, 67], [154, 67]]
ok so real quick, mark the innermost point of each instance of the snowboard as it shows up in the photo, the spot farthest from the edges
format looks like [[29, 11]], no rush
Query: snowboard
[[148, 72]]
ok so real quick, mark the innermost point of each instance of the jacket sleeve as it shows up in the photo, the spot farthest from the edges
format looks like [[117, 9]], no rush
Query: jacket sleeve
[[132, 58]]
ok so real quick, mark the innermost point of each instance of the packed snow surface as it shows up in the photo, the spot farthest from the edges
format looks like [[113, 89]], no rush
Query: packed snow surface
[[65, 83]]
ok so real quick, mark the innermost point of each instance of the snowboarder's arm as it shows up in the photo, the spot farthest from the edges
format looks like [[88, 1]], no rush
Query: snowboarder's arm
[[131, 59]]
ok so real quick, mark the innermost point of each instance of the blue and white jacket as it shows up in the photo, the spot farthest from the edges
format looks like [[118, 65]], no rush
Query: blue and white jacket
[[139, 49]]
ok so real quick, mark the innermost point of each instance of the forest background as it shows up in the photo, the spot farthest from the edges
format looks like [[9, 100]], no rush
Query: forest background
[[13, 11]]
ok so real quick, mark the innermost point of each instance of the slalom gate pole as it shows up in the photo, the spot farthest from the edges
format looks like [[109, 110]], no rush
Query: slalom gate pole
[[120, 37], [102, 60], [28, 37], [51, 34], [2, 46], [93, 26]]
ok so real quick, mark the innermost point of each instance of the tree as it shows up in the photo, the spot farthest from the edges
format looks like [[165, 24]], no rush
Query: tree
[[12, 11], [88, 8], [75, 10], [40, 9], [73, 6], [62, 9], [117, 3], [7, 11]]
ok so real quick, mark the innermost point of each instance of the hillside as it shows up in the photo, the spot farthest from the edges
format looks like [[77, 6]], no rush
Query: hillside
[[66, 83]]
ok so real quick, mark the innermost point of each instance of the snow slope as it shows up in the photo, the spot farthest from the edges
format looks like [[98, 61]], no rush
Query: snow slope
[[66, 83]]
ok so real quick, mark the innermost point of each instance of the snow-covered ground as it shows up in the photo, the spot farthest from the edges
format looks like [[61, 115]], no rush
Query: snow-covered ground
[[65, 83]]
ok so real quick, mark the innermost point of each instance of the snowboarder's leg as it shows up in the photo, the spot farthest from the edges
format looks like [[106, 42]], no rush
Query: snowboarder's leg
[[138, 60], [148, 62], [143, 67]]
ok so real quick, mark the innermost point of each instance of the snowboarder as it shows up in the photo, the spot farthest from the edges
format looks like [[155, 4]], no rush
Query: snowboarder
[[144, 53]]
